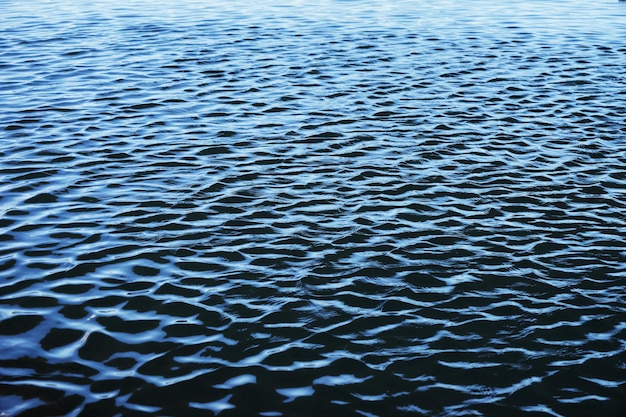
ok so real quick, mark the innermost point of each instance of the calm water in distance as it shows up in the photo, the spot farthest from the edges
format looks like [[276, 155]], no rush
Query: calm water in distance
[[308, 208]]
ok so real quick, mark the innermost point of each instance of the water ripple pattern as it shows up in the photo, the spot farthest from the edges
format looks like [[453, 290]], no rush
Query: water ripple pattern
[[303, 208]]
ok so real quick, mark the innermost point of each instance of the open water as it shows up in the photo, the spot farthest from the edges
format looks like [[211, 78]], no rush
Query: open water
[[313, 208]]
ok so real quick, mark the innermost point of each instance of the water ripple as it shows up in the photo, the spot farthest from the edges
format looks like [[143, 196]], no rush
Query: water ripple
[[350, 208]]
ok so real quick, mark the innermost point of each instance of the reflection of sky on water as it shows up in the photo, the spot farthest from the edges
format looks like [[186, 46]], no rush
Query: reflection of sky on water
[[598, 16]]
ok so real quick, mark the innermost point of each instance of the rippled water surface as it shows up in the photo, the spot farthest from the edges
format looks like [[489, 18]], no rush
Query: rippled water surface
[[313, 208]]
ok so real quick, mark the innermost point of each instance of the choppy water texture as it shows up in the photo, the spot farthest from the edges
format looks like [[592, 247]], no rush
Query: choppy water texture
[[331, 208]]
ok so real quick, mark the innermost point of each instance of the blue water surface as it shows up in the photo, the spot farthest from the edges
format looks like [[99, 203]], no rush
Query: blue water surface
[[305, 208]]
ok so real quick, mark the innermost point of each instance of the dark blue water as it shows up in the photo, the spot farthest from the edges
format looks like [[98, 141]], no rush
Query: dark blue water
[[299, 208]]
